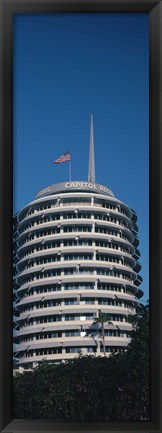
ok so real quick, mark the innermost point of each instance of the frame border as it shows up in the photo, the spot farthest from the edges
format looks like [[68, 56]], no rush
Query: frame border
[[7, 9]]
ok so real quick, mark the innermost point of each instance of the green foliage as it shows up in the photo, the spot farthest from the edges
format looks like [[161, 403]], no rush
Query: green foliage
[[111, 388], [102, 318], [132, 372]]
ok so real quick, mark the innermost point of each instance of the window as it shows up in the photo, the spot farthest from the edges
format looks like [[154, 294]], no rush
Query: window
[[72, 333]]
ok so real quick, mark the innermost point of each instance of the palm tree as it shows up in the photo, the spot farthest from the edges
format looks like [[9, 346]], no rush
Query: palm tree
[[101, 319]]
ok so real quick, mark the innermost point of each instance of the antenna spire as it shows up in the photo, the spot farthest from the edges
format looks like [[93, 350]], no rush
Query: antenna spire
[[91, 167]]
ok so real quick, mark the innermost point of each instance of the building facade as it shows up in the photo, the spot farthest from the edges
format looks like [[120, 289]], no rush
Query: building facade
[[75, 255]]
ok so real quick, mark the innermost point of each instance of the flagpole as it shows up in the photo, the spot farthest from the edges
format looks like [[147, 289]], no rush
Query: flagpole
[[70, 169]]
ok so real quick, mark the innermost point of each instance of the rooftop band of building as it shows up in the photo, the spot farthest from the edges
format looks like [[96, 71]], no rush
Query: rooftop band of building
[[75, 255]]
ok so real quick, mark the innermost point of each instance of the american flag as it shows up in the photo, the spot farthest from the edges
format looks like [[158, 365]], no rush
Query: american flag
[[63, 158]]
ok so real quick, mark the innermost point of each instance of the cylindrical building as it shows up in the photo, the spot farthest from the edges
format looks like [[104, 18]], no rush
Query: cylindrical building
[[76, 255]]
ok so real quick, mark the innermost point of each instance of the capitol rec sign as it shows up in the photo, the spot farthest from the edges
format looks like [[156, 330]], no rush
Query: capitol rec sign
[[74, 186], [87, 185]]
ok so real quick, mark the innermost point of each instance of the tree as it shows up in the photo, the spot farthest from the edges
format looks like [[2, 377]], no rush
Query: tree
[[131, 370], [114, 388], [100, 320]]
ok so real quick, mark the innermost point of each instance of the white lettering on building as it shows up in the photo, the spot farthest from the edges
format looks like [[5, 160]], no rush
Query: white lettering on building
[[43, 191], [74, 186], [80, 185], [86, 185]]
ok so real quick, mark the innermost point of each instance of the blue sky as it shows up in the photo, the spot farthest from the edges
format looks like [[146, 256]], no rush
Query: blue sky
[[65, 67]]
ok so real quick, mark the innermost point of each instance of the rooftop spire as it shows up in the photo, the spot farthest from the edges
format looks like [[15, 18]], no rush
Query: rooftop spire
[[91, 167]]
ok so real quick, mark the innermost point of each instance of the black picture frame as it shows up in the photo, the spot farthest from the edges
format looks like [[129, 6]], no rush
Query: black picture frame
[[7, 9]]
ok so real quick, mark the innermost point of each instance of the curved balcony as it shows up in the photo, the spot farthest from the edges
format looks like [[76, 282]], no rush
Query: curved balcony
[[61, 260], [99, 224], [137, 267], [134, 216], [138, 281], [85, 293], [78, 308], [72, 342], [80, 278], [34, 220], [72, 325], [136, 241], [73, 235]]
